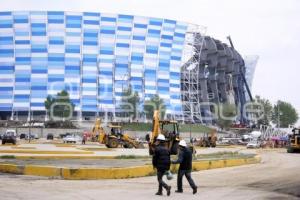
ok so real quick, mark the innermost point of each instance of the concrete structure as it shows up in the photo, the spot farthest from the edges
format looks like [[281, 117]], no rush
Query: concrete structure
[[218, 77]]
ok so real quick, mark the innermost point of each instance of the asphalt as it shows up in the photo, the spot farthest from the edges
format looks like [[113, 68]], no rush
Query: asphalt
[[277, 177]]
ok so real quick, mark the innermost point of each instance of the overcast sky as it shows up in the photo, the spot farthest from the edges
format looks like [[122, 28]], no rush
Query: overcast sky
[[267, 28]]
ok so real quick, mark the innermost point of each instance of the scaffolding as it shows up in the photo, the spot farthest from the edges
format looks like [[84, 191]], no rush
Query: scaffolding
[[190, 86]]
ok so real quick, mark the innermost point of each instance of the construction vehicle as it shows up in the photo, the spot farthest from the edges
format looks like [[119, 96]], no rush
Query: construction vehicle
[[115, 137], [208, 140], [169, 129], [294, 141]]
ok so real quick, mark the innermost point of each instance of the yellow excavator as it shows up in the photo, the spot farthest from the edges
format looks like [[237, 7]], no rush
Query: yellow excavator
[[115, 138], [209, 140], [294, 141], [169, 129]]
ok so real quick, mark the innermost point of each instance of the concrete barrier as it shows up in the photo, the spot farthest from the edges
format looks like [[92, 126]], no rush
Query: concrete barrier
[[116, 173]]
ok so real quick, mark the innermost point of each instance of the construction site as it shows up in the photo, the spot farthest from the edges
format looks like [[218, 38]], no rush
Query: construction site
[[100, 105]]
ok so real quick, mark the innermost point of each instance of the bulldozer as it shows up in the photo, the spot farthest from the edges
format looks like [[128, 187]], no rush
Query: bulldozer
[[209, 140], [115, 138], [170, 129], [294, 141]]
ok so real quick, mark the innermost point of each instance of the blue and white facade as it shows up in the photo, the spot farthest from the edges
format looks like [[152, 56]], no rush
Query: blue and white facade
[[93, 56]]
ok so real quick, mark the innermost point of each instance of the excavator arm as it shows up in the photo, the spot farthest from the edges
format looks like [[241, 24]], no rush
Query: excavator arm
[[98, 130]]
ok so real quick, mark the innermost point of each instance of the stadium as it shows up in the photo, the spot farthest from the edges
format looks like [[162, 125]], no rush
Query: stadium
[[94, 56]]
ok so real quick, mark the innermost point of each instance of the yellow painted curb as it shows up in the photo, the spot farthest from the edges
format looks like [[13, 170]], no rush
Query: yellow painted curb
[[23, 147], [63, 157], [95, 149], [44, 152], [116, 173]]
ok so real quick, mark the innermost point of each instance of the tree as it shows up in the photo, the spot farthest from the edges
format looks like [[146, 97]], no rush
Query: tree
[[59, 106], [285, 114], [227, 114], [266, 112], [155, 103], [128, 97]]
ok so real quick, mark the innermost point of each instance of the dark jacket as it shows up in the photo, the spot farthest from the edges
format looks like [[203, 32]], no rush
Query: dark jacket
[[161, 158], [185, 159]]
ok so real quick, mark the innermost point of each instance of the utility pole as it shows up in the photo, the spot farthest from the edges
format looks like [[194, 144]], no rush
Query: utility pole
[[278, 115]]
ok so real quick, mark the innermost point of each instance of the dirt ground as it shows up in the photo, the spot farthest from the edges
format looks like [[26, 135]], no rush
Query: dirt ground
[[277, 177]]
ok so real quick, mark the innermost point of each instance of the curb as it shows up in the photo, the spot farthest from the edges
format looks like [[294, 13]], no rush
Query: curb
[[115, 173], [44, 152], [63, 157]]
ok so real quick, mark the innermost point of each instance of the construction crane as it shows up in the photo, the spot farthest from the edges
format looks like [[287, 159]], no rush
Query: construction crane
[[242, 73]]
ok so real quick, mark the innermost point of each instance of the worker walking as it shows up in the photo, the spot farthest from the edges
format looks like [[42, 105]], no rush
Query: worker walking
[[161, 161], [185, 159]]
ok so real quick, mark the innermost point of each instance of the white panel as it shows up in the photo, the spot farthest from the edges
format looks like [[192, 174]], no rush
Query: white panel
[[150, 91], [91, 85], [150, 83], [72, 80], [5, 100], [39, 75], [89, 93], [19, 104], [37, 100], [37, 108], [22, 92], [175, 90], [56, 71]]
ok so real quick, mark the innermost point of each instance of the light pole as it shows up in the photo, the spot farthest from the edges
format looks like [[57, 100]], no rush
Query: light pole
[[278, 116]]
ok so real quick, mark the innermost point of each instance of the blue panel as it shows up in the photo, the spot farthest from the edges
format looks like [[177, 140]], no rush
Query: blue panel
[[74, 17], [137, 58], [155, 23], [140, 26], [135, 37], [170, 21], [106, 52], [38, 25], [89, 34], [91, 22], [91, 14], [108, 19], [17, 21], [168, 37], [55, 13], [126, 16], [179, 35], [124, 45], [73, 25], [56, 42], [122, 28], [166, 44], [107, 31], [55, 21], [22, 42], [5, 13], [153, 31]]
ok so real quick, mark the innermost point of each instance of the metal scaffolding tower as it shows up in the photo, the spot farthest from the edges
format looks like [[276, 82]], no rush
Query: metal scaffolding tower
[[190, 86]]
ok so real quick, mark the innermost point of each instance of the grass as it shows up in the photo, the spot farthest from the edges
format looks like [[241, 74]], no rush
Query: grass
[[8, 157], [130, 157], [195, 128], [224, 155]]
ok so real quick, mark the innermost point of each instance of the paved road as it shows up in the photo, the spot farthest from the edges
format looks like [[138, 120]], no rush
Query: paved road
[[277, 177]]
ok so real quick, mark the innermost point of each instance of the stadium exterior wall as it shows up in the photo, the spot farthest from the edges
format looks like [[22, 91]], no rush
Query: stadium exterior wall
[[93, 56]]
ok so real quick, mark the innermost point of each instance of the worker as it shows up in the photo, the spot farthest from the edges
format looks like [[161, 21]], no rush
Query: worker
[[161, 161], [84, 138], [185, 159], [112, 131]]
